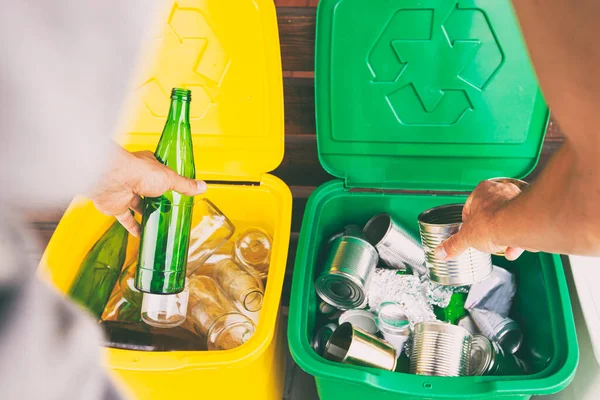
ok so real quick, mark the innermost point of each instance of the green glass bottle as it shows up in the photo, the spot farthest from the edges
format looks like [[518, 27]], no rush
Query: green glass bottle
[[167, 219], [454, 311], [100, 270]]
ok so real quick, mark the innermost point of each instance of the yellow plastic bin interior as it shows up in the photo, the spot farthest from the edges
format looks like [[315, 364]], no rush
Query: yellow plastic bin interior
[[227, 53]]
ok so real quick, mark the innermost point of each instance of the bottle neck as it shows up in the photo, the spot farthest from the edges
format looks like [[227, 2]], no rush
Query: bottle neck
[[179, 111]]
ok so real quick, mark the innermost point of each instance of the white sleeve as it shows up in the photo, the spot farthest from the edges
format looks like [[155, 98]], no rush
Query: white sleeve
[[65, 69]]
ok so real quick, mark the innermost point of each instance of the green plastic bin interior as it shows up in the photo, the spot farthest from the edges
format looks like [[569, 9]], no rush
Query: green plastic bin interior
[[434, 95]]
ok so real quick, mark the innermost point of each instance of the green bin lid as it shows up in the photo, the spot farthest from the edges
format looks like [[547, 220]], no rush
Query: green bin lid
[[425, 94]]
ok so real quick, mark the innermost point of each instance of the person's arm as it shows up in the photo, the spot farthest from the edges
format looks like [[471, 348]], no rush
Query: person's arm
[[560, 212]]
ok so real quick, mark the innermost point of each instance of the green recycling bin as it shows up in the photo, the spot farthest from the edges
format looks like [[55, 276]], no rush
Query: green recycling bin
[[433, 96]]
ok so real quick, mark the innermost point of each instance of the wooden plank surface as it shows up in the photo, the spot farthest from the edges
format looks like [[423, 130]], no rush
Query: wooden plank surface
[[297, 38]]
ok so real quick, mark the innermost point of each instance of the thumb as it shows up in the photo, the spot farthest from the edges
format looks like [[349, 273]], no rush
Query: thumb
[[452, 247], [185, 186]]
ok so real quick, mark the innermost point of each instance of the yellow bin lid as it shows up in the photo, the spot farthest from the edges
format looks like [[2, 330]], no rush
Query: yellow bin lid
[[229, 58]]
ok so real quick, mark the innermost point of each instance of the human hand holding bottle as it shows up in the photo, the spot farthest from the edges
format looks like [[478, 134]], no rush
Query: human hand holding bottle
[[132, 175]]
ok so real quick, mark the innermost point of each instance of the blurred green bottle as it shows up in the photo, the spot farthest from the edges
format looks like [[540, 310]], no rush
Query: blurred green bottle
[[100, 270], [167, 219], [454, 311]]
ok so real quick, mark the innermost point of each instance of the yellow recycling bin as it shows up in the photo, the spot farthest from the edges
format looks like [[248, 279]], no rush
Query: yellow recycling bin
[[227, 53]]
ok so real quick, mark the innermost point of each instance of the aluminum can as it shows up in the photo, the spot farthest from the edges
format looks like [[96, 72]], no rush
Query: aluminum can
[[497, 328], [440, 349], [352, 345], [489, 358], [437, 225], [346, 272], [396, 247]]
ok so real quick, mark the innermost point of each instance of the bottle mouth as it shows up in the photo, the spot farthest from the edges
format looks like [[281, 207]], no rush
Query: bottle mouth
[[229, 331], [253, 300], [181, 94]]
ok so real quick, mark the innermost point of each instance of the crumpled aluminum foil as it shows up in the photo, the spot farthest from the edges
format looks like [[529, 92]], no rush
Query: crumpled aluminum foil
[[406, 290], [439, 295]]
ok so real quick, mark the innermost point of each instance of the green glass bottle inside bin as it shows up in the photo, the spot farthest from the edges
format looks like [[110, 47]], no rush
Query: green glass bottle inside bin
[[455, 309], [167, 219], [100, 270]]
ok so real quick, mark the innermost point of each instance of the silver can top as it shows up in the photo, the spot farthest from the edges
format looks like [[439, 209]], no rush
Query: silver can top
[[392, 320], [482, 356], [346, 272]]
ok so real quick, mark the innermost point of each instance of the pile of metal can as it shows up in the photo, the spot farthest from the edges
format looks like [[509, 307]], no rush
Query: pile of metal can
[[388, 303]]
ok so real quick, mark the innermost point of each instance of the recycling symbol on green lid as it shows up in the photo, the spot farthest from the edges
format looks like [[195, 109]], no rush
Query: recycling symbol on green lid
[[435, 62]]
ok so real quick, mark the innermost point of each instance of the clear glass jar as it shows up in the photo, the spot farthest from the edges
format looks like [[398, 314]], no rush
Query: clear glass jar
[[253, 251], [243, 288], [212, 231], [165, 310], [215, 317]]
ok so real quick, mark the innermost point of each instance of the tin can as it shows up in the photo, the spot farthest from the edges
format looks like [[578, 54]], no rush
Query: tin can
[[440, 349], [437, 225], [396, 247], [362, 319], [394, 325], [349, 230], [352, 345], [329, 311], [489, 358], [322, 337], [346, 273], [518, 183], [420, 270], [497, 328]]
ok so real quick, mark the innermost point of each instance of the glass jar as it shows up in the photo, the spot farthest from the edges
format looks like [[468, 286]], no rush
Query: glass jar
[[165, 310], [243, 288], [212, 231], [253, 251], [215, 317]]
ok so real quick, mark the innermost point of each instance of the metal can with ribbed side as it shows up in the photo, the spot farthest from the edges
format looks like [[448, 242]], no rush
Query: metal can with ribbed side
[[438, 224], [346, 272], [500, 329], [396, 247], [440, 349]]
